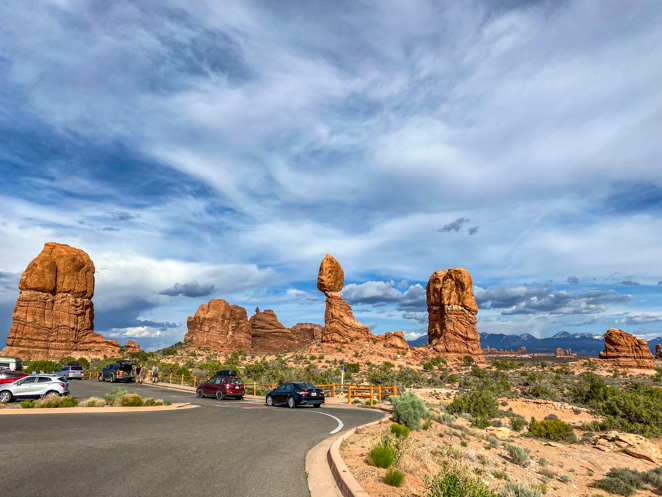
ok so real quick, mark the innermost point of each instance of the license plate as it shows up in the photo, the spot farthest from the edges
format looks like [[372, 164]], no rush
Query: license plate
[[313, 394]]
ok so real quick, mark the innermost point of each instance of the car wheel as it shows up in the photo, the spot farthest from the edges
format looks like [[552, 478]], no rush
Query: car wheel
[[291, 403], [270, 400], [100, 378], [112, 379], [5, 397], [50, 392], [317, 405], [199, 393], [219, 394]]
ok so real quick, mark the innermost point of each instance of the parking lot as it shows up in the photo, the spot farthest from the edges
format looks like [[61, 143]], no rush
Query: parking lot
[[222, 448]]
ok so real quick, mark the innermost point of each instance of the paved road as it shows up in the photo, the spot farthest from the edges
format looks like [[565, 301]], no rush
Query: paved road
[[229, 448]]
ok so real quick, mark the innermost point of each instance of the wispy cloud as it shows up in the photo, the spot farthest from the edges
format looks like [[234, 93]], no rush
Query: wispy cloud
[[192, 289], [455, 226]]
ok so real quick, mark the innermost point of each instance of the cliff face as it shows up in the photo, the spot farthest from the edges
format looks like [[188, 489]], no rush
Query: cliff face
[[269, 335], [627, 351], [54, 314], [452, 313], [220, 327]]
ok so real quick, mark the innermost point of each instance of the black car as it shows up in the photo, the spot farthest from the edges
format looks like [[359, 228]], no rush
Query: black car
[[296, 394], [118, 371]]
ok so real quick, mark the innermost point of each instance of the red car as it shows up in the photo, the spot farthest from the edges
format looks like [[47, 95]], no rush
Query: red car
[[7, 376], [222, 386]]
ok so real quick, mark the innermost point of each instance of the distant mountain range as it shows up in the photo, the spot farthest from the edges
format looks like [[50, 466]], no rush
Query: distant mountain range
[[579, 343]]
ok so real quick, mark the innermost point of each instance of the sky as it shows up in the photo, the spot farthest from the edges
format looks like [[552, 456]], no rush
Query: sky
[[200, 150]]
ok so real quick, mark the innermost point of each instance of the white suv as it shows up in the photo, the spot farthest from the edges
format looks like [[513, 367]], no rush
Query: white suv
[[33, 387]]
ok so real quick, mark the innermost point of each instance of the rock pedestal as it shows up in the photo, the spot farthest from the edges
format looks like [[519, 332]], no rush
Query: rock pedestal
[[626, 351], [452, 313], [54, 314], [219, 327]]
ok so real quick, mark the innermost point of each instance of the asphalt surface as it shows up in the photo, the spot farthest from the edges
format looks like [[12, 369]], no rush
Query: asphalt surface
[[228, 448]]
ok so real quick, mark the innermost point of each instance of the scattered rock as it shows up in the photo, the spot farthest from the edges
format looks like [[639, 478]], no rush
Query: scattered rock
[[633, 445], [54, 314], [452, 313], [501, 433], [626, 351]]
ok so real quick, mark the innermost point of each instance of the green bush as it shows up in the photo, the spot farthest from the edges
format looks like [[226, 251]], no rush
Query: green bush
[[131, 400], [479, 403], [46, 366], [454, 483], [394, 477], [399, 430], [511, 489], [115, 393], [517, 422], [552, 429], [382, 456], [614, 486], [565, 478], [519, 455], [408, 409], [27, 404], [501, 475]]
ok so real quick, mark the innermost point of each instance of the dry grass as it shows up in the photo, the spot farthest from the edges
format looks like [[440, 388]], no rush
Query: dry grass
[[92, 402]]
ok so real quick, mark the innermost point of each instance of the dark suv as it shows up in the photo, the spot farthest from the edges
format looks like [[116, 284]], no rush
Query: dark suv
[[118, 371], [222, 385]]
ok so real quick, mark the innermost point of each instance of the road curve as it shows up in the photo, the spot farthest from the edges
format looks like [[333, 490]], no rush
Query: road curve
[[228, 448]]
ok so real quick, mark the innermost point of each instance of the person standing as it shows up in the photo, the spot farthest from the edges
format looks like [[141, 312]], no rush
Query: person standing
[[155, 374], [139, 377]]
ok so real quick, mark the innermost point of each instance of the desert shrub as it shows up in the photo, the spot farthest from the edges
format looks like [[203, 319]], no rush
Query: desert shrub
[[479, 403], [45, 366], [455, 483], [497, 423], [447, 450], [614, 486], [493, 441], [444, 418], [511, 489], [53, 401], [399, 430], [500, 475], [426, 425], [481, 423], [128, 400], [552, 429], [565, 478], [408, 409], [543, 462], [542, 486], [547, 472], [517, 422], [115, 393], [452, 378], [92, 402], [519, 455], [382, 456], [482, 379], [394, 477], [27, 404]]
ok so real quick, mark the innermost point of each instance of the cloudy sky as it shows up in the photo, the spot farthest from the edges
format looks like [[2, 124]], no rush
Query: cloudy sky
[[202, 150]]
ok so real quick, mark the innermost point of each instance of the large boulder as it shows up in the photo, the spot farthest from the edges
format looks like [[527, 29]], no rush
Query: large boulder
[[626, 351], [219, 327], [396, 340], [452, 313], [54, 314], [633, 445], [270, 336], [331, 277]]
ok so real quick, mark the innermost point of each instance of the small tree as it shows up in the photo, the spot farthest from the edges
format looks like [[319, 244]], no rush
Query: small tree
[[408, 409]]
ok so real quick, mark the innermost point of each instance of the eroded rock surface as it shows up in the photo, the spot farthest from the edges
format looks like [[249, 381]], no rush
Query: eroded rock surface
[[269, 335], [627, 351], [339, 323], [452, 313], [219, 327], [54, 314], [331, 277], [658, 351]]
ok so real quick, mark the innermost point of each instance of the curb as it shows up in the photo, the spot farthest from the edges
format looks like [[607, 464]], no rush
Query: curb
[[327, 473], [87, 410]]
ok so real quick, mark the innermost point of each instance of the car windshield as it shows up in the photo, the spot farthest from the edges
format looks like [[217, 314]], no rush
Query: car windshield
[[76, 369], [235, 381], [304, 386]]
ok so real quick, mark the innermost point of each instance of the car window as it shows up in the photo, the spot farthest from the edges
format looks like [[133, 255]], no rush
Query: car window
[[62, 370], [4, 365], [77, 369], [235, 381], [29, 379], [126, 367], [43, 379]]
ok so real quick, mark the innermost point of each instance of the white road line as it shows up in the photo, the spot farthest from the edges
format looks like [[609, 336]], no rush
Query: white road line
[[340, 423]]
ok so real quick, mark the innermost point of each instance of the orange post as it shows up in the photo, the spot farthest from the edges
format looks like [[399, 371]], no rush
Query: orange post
[[254, 388], [379, 392], [170, 378], [333, 390], [182, 380], [371, 387], [195, 381], [395, 391], [349, 394]]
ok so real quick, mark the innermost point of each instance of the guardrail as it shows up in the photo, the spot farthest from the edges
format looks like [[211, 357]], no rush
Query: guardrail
[[352, 391]]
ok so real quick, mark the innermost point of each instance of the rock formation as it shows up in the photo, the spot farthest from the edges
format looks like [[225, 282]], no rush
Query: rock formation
[[220, 327], [658, 351], [452, 313], [339, 323], [54, 314], [560, 352], [396, 340], [270, 336], [132, 346], [627, 351], [491, 351]]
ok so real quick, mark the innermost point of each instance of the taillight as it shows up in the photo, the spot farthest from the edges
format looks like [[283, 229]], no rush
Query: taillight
[[304, 393], [120, 374], [62, 385]]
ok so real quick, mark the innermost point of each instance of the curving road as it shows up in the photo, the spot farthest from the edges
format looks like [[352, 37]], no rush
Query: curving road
[[228, 448]]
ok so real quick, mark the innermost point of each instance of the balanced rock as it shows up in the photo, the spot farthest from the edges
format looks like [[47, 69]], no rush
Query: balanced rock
[[452, 313], [626, 351], [219, 327], [339, 323], [54, 314], [658, 351], [270, 336], [331, 277]]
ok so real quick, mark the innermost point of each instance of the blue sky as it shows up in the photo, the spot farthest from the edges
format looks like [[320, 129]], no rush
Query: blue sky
[[199, 150]]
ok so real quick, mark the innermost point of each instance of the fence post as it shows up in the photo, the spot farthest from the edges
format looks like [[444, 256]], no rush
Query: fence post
[[371, 390], [273, 385], [255, 388], [182, 380], [379, 392], [395, 390], [195, 381], [333, 390], [349, 394], [171, 378]]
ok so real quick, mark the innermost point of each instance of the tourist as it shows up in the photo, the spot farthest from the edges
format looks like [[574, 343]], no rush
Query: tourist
[[155, 374], [139, 370]]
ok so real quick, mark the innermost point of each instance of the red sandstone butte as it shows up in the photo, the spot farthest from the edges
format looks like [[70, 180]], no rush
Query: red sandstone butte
[[452, 313], [54, 314], [219, 327], [269, 335], [626, 351]]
